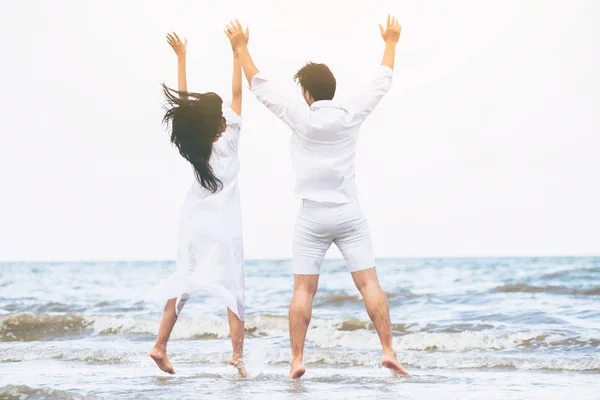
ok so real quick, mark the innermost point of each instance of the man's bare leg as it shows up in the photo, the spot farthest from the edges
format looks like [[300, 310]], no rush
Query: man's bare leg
[[377, 307], [236, 331], [159, 351], [305, 288]]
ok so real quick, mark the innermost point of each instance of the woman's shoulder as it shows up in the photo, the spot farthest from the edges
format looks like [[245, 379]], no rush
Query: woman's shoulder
[[231, 117]]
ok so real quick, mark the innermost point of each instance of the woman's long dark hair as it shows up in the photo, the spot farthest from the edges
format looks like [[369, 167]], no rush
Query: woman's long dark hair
[[195, 123]]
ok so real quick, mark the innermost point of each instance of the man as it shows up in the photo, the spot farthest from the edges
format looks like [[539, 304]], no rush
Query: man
[[323, 147]]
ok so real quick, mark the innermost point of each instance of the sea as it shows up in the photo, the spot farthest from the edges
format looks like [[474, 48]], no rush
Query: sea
[[470, 328]]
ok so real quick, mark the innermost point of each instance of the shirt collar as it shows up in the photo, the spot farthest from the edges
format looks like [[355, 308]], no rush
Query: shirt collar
[[323, 103]]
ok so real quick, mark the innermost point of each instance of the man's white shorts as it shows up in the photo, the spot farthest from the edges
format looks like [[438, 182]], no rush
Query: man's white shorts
[[318, 225]]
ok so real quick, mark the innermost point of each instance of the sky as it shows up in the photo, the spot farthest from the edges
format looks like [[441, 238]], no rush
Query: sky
[[486, 145]]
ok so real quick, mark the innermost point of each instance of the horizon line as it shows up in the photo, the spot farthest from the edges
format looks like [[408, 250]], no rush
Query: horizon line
[[291, 259]]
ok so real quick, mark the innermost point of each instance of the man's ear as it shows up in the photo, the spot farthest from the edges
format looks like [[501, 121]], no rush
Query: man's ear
[[307, 96]]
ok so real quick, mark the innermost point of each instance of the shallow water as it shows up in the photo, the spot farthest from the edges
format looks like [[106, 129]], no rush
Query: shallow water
[[464, 328]]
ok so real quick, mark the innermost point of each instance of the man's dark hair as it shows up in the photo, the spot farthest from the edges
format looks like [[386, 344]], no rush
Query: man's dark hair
[[318, 80]]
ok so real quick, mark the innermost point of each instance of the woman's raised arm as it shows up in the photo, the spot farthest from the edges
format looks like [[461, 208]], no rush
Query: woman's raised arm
[[179, 47]]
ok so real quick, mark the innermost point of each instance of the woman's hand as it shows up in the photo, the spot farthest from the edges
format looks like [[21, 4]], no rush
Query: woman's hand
[[237, 36], [179, 47]]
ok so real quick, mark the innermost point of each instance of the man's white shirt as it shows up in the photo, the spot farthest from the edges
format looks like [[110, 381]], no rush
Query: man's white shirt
[[323, 144]]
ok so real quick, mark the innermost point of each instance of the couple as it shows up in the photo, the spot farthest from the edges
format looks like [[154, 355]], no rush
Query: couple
[[324, 135]]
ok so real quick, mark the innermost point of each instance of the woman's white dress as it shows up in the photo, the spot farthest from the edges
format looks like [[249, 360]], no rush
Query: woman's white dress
[[210, 255]]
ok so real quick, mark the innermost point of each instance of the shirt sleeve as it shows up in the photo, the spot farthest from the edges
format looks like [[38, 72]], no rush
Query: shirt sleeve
[[234, 127], [294, 114], [364, 104]]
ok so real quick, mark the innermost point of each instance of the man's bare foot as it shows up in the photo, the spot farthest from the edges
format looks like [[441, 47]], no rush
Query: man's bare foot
[[238, 362], [390, 361], [160, 358], [297, 370]]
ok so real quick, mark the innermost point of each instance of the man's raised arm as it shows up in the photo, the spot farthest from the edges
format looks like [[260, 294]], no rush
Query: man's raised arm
[[293, 114], [364, 104], [390, 36], [239, 43]]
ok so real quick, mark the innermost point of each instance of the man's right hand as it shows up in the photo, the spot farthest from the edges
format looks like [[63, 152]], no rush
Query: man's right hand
[[391, 33], [237, 36]]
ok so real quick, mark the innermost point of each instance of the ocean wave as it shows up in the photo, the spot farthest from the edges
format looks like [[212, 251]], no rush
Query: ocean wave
[[36, 327], [583, 273], [343, 299], [452, 361], [18, 392], [353, 324], [477, 361], [492, 340], [526, 288], [336, 358], [325, 333], [489, 340], [29, 305], [337, 299], [32, 327]]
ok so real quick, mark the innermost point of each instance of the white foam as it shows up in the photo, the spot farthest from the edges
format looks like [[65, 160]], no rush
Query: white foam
[[186, 327], [463, 341], [486, 360], [326, 334], [259, 356]]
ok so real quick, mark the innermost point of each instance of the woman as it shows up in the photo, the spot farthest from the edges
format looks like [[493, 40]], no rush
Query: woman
[[210, 254]]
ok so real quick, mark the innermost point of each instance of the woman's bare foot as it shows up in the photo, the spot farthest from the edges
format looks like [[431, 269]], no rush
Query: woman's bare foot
[[238, 362], [390, 361], [160, 358], [298, 369]]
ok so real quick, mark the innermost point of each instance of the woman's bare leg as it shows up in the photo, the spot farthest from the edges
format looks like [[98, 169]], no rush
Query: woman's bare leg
[[236, 330], [159, 351]]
